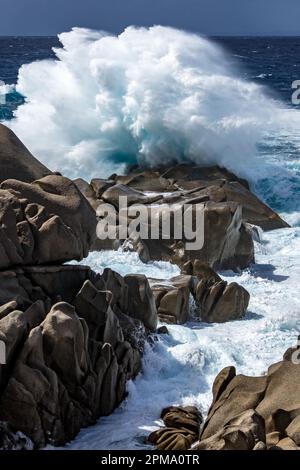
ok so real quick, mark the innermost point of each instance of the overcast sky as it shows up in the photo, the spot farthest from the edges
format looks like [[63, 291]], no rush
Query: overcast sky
[[212, 17]]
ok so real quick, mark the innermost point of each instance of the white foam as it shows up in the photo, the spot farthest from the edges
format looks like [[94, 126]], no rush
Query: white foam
[[129, 263], [149, 94]]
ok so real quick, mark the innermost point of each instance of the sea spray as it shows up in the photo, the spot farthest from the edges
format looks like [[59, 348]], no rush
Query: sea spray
[[149, 95]]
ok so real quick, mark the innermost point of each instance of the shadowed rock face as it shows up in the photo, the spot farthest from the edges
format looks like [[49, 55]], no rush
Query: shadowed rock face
[[72, 342], [16, 161], [230, 211]]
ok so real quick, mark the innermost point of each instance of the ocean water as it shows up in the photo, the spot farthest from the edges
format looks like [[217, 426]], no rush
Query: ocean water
[[102, 101]]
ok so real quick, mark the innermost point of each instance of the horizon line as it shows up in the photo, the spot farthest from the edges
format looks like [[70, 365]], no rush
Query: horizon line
[[54, 35]]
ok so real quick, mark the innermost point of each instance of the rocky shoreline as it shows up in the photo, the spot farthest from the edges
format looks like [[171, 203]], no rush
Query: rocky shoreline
[[74, 338]]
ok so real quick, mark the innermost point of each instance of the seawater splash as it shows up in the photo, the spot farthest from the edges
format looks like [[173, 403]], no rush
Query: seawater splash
[[149, 95]]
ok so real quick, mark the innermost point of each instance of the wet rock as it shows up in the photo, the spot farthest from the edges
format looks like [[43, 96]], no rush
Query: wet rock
[[162, 330], [231, 212], [99, 186], [133, 196], [13, 441], [182, 425], [227, 242], [255, 212], [216, 300], [200, 270]]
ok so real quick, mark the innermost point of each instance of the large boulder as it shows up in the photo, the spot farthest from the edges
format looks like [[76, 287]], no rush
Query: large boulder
[[247, 413], [220, 302], [182, 426], [213, 300], [274, 397], [216, 301], [72, 342], [47, 221], [172, 298], [16, 161], [227, 242], [243, 432], [141, 303], [214, 182], [231, 211]]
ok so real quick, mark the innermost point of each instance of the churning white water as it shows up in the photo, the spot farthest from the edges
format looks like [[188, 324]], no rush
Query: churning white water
[[149, 95]]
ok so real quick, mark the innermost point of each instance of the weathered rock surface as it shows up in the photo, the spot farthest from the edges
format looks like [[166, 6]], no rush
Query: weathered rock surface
[[182, 425], [215, 183], [172, 298], [243, 432], [230, 211], [16, 161], [215, 301], [72, 342], [221, 301], [141, 300], [274, 397], [47, 221]]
